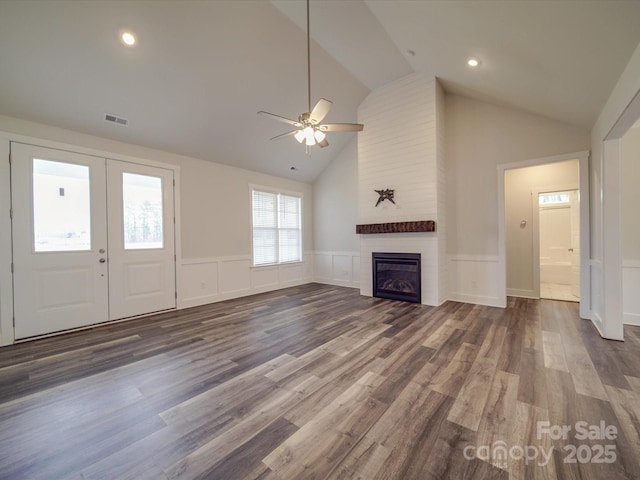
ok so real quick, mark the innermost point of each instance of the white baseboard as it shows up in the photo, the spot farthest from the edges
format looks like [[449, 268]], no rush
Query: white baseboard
[[517, 292], [631, 292], [476, 299], [631, 319]]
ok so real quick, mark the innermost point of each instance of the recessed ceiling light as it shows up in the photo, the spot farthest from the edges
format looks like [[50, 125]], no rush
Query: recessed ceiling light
[[128, 38], [473, 62]]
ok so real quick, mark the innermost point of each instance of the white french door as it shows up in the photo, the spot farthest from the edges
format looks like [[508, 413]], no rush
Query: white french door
[[69, 269], [141, 239]]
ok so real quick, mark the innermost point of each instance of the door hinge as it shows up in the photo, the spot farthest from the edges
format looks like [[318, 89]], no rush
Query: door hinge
[[11, 267], [9, 158], [11, 213], [176, 296]]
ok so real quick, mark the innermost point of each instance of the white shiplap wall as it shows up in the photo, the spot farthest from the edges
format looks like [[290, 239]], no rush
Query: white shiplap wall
[[402, 148], [397, 150]]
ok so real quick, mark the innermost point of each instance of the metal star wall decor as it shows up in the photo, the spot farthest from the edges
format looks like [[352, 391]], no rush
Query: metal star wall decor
[[385, 195]]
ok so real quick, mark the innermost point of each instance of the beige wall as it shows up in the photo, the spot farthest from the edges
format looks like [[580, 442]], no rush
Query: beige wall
[[630, 177], [335, 203], [478, 137], [521, 205]]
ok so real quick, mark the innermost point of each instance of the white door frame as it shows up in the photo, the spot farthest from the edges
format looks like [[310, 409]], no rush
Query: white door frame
[[610, 319], [7, 336], [585, 283]]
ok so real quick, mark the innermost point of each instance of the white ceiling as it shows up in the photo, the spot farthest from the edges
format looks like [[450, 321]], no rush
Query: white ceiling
[[202, 69]]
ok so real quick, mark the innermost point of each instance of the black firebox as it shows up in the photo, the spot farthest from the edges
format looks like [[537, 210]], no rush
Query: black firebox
[[396, 276]]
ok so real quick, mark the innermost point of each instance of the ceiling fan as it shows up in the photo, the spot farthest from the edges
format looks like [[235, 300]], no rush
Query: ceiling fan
[[308, 129]]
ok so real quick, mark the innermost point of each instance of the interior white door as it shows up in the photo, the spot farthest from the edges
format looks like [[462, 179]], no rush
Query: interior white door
[[59, 240], [555, 244], [141, 239]]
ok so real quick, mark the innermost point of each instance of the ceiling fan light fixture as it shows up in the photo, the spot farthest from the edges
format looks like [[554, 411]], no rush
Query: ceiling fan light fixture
[[309, 130], [308, 135]]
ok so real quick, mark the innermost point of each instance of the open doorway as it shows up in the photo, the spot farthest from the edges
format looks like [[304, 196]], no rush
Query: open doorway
[[559, 245], [519, 186]]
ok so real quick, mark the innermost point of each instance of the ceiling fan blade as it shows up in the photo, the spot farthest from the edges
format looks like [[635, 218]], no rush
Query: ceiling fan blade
[[320, 111], [282, 135], [341, 127], [323, 143], [281, 119]]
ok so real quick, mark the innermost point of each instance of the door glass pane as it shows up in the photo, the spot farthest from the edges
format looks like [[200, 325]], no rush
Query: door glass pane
[[61, 206], [143, 218], [553, 198]]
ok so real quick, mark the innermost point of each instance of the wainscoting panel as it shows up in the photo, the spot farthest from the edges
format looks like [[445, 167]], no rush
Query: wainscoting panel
[[235, 276], [631, 292], [199, 283], [264, 278], [209, 280], [473, 279], [337, 268]]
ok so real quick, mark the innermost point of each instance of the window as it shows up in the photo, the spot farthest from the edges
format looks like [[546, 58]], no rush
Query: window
[[61, 206], [277, 227], [142, 211], [554, 198]]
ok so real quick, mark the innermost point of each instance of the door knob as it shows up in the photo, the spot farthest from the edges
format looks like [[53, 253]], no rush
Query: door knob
[[102, 260]]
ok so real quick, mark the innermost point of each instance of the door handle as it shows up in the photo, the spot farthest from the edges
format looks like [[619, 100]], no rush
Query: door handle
[[102, 260], [571, 249]]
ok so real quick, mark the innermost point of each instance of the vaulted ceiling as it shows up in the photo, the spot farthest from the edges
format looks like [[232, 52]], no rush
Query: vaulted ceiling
[[202, 69]]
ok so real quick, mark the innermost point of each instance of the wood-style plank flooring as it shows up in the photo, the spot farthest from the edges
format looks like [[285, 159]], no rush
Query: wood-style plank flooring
[[319, 382]]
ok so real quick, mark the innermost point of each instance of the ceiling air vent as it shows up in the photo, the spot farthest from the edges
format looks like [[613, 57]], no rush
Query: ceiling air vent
[[113, 119]]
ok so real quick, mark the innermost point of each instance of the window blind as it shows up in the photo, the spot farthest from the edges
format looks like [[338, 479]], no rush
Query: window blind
[[277, 228]]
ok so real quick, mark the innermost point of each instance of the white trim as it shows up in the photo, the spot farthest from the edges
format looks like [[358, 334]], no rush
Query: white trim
[[631, 319], [473, 258], [543, 160], [476, 299], [585, 229], [613, 317], [598, 323], [6, 256], [522, 293], [612, 242]]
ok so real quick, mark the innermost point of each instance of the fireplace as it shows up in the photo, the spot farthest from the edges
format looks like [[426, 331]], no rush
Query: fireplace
[[396, 276]]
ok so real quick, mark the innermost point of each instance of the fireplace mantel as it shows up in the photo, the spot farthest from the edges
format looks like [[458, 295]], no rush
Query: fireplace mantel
[[397, 227]]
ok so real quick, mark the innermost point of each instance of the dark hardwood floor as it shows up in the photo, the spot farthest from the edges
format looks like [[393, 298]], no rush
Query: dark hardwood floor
[[318, 382]]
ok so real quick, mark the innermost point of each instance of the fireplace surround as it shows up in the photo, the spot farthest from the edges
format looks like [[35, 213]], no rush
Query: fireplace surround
[[397, 276]]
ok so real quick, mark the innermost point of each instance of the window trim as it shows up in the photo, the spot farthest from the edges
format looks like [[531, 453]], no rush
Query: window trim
[[276, 191]]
